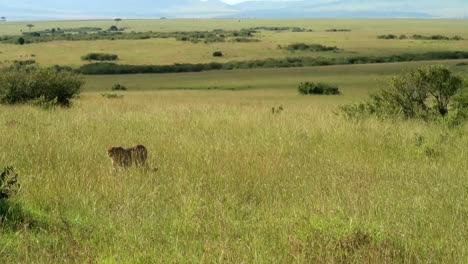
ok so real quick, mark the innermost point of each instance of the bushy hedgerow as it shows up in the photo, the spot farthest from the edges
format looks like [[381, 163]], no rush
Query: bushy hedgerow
[[338, 30], [419, 37], [427, 93], [310, 88], [112, 68], [62, 35], [309, 47], [100, 57], [28, 84]]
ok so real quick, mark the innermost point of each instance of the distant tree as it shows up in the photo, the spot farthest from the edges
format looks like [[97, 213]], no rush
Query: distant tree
[[3, 18], [20, 41], [113, 28], [30, 26], [117, 20]]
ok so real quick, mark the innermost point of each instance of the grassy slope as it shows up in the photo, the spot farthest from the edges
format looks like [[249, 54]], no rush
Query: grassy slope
[[361, 41]]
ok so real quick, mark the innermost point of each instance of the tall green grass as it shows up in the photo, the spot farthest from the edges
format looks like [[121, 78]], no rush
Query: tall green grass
[[235, 183]]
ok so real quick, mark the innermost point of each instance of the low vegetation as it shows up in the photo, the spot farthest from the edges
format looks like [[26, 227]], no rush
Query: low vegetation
[[192, 36], [419, 37], [310, 47], [112, 68], [309, 88], [338, 30], [100, 57], [119, 87], [292, 29], [218, 54], [35, 84], [8, 183], [427, 93], [112, 96]]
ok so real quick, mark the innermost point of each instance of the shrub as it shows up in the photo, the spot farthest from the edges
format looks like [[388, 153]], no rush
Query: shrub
[[308, 88], [423, 93], [100, 57], [118, 87], [113, 28], [388, 36], [338, 30], [20, 41], [310, 47], [8, 183], [20, 63], [217, 54], [25, 84]]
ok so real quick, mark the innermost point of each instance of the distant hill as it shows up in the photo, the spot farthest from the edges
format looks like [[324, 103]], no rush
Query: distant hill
[[55, 9]]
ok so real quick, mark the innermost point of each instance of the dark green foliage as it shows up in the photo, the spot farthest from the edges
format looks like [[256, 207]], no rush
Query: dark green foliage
[[310, 47], [26, 84], [420, 37], [425, 93], [94, 34], [113, 28], [8, 183], [388, 36], [119, 87], [309, 88], [217, 54], [338, 30], [19, 63], [112, 68], [20, 41], [100, 57], [293, 29], [460, 107], [12, 214], [245, 40]]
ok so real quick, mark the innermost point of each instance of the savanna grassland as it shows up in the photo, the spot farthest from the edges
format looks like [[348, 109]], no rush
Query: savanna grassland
[[360, 41], [236, 183]]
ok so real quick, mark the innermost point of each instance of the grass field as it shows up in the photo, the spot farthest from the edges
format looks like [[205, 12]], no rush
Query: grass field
[[236, 183], [362, 41]]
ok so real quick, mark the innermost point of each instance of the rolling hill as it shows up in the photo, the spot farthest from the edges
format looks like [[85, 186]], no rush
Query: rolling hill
[[54, 9]]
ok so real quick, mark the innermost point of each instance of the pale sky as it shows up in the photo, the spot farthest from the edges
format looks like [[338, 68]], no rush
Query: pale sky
[[239, 1]]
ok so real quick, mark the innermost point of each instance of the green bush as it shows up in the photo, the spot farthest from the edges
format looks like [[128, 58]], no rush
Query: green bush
[[308, 88], [426, 93], [20, 41], [217, 54], [310, 47], [100, 57], [8, 183], [338, 30], [119, 87], [26, 84]]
